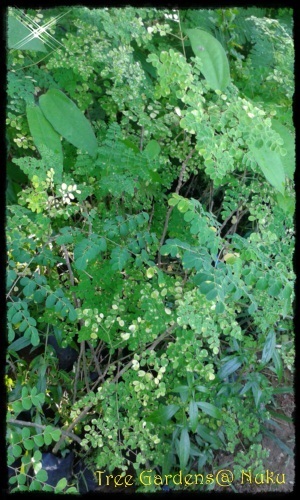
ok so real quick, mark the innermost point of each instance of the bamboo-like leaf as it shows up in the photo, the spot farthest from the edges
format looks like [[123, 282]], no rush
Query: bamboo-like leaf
[[215, 66], [184, 448], [229, 367], [210, 409], [193, 413], [269, 347]]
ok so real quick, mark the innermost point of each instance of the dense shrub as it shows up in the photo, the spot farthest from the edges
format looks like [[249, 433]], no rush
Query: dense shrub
[[150, 204]]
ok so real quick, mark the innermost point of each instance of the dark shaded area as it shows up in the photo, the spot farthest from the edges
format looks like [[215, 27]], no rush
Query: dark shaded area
[[57, 468], [66, 356]]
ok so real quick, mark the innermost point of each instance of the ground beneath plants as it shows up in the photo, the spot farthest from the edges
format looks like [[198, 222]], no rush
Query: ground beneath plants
[[278, 461]]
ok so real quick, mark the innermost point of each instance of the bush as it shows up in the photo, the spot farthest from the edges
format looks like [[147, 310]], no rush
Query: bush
[[150, 203]]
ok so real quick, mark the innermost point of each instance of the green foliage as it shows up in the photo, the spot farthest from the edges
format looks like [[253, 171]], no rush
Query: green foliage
[[214, 63], [68, 120], [150, 207]]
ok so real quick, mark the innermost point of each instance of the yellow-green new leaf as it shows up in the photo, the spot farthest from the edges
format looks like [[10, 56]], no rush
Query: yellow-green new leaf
[[67, 119], [215, 66]]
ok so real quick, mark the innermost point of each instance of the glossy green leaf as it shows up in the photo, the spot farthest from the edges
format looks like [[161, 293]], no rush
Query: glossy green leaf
[[28, 444], [37, 456], [163, 414], [270, 163], [229, 367], [269, 347], [209, 436], [39, 441], [18, 344], [42, 476], [184, 448], [62, 483], [193, 414], [56, 434], [183, 391], [215, 66], [280, 416], [42, 132], [278, 365], [257, 393], [17, 450], [189, 216], [67, 119], [210, 409]]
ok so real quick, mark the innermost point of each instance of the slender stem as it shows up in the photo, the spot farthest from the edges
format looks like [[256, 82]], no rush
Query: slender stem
[[71, 426], [40, 426], [77, 371], [170, 209], [115, 379], [181, 37], [142, 139], [95, 358]]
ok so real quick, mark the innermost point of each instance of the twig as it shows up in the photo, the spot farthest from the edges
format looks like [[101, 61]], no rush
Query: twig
[[87, 385], [72, 425], [40, 426], [151, 216], [77, 370], [211, 200], [233, 228], [87, 219], [142, 138], [170, 209], [95, 358], [115, 379], [72, 281]]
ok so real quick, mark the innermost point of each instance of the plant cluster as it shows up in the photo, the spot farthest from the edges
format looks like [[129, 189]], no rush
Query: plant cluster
[[150, 204]]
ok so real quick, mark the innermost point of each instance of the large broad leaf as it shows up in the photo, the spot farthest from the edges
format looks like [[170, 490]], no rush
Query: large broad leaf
[[67, 119], [215, 66], [289, 160], [271, 166], [42, 132], [20, 37]]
